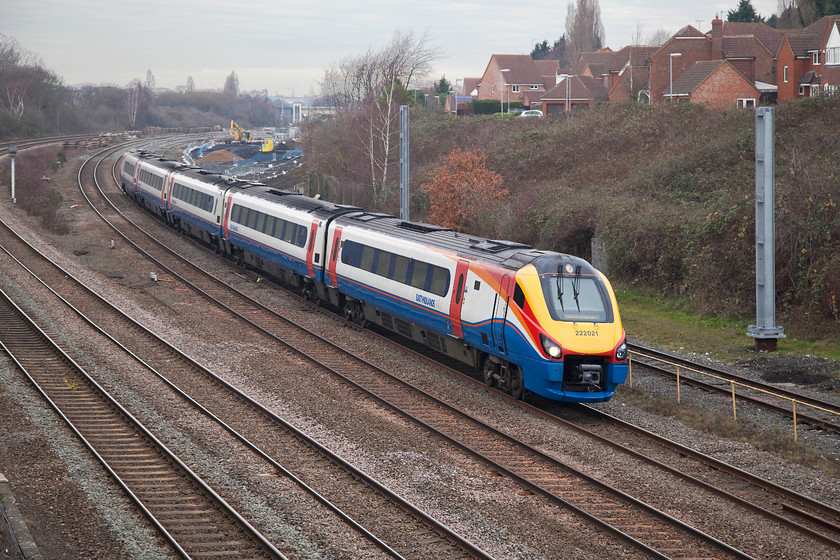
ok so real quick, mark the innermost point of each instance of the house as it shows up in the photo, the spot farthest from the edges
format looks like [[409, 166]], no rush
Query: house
[[574, 93], [751, 48], [517, 77], [716, 83], [809, 60]]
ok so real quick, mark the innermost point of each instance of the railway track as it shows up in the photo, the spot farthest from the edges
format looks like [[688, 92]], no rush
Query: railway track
[[818, 413], [194, 519], [539, 472], [288, 451]]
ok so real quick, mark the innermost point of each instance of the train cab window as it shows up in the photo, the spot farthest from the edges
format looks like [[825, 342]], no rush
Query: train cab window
[[400, 269], [519, 297], [418, 274], [576, 298]]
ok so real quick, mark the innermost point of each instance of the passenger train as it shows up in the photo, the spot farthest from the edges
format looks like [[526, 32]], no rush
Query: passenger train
[[525, 318]]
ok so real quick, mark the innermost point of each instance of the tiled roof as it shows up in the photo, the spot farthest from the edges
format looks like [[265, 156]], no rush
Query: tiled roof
[[583, 87], [523, 69], [770, 38], [743, 46], [694, 76], [689, 31]]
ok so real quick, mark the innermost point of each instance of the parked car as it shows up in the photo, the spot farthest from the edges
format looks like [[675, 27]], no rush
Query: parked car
[[531, 113]]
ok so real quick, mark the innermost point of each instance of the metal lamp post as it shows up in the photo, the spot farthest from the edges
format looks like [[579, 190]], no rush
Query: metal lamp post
[[502, 95], [12, 154], [671, 87]]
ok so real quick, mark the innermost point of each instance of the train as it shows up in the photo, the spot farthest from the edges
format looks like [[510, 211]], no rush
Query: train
[[525, 319]]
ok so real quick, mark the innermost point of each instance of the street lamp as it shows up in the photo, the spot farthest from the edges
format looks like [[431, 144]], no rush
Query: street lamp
[[671, 87], [12, 154], [501, 95]]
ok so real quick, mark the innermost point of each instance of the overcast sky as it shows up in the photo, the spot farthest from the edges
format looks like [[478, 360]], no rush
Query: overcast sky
[[285, 47]]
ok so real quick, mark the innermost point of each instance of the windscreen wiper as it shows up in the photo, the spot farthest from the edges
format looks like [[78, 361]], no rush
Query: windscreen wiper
[[576, 286]]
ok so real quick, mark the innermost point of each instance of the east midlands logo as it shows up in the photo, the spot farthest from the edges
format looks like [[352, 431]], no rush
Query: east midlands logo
[[427, 301]]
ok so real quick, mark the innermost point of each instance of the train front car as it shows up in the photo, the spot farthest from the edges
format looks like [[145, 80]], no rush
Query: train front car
[[573, 348]]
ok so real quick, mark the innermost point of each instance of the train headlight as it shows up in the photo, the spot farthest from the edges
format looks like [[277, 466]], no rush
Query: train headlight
[[551, 348], [621, 352]]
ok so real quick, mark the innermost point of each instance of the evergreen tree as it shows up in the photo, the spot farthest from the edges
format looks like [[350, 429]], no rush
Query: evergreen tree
[[744, 13]]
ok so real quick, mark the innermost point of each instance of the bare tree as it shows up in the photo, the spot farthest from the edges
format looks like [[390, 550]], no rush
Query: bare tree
[[659, 37], [584, 29], [375, 83], [133, 94], [639, 34]]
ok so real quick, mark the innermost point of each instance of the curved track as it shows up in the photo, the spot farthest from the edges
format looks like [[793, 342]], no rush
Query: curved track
[[613, 510]]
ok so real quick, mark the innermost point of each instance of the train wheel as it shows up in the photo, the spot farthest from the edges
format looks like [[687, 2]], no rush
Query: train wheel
[[491, 369], [517, 383]]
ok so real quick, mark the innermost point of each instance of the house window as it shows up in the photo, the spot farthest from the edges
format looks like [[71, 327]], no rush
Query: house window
[[515, 89], [801, 90], [494, 88], [832, 55], [815, 57], [785, 74], [746, 103]]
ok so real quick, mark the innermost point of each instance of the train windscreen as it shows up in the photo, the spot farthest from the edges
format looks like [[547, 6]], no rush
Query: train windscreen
[[574, 297]]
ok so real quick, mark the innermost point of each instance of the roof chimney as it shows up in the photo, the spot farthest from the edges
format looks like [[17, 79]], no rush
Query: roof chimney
[[717, 38]]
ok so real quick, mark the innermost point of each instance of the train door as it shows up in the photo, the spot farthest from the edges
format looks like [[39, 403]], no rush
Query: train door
[[310, 250], [334, 250], [457, 301], [500, 313]]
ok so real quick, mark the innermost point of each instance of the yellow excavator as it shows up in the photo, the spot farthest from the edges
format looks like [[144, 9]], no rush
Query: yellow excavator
[[238, 133]]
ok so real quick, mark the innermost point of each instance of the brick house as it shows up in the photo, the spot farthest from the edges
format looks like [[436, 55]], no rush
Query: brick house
[[716, 83], [749, 47], [524, 79], [809, 60], [573, 93]]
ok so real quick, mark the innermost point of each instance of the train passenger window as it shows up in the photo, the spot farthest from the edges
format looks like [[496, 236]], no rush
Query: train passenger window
[[252, 219], [418, 275], [260, 225], [301, 237], [243, 216], [400, 273], [440, 281], [270, 222], [366, 262], [290, 232], [383, 263], [351, 253], [519, 297]]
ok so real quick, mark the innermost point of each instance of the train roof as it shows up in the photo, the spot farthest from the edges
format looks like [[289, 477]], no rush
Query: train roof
[[507, 254], [315, 206]]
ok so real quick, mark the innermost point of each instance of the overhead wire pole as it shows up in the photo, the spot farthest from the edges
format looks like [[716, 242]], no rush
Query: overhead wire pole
[[765, 331], [404, 194]]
